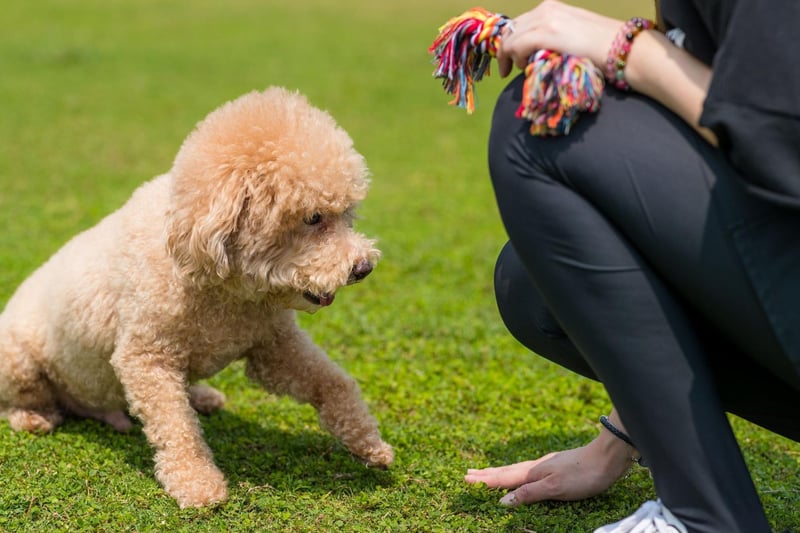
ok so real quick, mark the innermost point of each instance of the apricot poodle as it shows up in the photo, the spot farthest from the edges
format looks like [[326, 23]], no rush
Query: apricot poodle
[[203, 265]]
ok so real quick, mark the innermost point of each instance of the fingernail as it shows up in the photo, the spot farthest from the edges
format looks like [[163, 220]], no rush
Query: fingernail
[[509, 500]]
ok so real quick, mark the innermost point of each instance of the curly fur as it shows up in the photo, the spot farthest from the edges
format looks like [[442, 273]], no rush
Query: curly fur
[[202, 266]]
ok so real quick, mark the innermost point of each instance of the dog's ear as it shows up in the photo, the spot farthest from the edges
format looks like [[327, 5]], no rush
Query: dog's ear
[[200, 227]]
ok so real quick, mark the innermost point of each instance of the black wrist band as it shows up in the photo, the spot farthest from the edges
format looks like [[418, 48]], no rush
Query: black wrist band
[[616, 431], [621, 436]]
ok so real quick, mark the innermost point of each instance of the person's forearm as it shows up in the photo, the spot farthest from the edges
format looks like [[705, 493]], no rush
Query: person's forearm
[[671, 76]]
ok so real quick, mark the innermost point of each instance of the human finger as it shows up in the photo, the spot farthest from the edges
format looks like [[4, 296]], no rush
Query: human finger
[[505, 477], [505, 63], [536, 491], [521, 48]]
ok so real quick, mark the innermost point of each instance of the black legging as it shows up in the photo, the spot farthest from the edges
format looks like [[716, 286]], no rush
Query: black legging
[[619, 267]]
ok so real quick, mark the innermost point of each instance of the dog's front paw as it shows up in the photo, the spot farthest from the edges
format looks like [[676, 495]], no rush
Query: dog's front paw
[[380, 456], [194, 485]]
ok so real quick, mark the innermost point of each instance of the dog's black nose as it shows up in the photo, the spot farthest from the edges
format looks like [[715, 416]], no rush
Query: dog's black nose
[[360, 270]]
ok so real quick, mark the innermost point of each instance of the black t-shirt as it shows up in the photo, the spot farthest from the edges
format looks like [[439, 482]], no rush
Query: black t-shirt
[[753, 103]]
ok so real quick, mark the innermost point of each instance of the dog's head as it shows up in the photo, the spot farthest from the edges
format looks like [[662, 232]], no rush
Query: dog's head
[[263, 198]]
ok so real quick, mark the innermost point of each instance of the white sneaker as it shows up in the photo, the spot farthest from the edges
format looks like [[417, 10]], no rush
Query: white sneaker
[[652, 517]]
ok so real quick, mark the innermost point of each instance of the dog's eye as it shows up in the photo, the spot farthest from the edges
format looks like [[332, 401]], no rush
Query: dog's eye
[[313, 219]]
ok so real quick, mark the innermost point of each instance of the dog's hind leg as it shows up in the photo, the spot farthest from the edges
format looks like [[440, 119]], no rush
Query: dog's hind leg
[[26, 395], [116, 419], [205, 399], [293, 365]]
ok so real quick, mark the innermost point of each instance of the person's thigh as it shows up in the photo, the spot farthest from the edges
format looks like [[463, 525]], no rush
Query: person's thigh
[[665, 190], [527, 317]]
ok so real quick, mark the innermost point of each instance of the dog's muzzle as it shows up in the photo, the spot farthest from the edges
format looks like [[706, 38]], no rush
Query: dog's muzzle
[[360, 271]]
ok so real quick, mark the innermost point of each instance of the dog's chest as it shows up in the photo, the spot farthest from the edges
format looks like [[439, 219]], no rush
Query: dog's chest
[[221, 337], [206, 361]]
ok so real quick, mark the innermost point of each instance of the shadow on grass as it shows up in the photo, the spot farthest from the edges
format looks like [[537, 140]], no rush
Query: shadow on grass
[[251, 454], [553, 516], [286, 459]]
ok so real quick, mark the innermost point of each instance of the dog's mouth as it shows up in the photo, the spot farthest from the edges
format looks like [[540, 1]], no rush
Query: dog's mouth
[[322, 300]]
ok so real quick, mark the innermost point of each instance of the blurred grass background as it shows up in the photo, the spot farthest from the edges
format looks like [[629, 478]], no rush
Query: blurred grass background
[[96, 97]]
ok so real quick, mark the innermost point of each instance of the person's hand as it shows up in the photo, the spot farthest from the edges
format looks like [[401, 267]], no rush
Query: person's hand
[[567, 475], [559, 27]]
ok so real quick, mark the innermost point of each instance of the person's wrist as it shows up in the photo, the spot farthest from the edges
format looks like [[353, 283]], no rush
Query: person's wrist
[[605, 31], [615, 67], [635, 75]]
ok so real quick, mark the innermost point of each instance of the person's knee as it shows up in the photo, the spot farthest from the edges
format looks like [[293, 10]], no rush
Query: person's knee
[[527, 317], [519, 303]]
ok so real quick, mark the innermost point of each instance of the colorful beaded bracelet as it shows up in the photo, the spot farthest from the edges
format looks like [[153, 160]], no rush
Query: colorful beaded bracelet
[[620, 48]]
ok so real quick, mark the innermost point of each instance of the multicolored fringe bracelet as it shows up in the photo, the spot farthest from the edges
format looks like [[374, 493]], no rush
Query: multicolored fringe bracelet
[[620, 48], [558, 87]]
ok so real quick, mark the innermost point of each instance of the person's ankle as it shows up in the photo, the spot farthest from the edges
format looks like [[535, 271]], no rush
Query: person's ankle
[[616, 456]]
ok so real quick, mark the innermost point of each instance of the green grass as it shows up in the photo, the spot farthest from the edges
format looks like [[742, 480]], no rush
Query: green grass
[[97, 96]]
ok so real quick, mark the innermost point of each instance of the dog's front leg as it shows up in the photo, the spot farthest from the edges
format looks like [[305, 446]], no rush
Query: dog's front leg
[[293, 365], [157, 394]]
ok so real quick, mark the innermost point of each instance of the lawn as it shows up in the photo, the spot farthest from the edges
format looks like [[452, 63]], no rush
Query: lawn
[[96, 97]]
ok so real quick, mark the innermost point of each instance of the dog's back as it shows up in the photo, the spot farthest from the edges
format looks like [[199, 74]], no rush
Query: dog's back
[[61, 323]]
